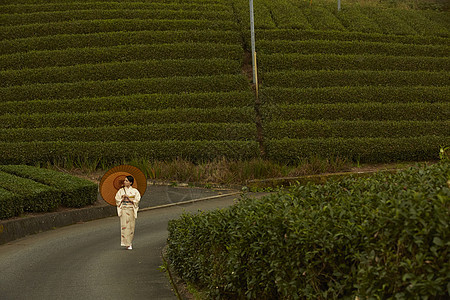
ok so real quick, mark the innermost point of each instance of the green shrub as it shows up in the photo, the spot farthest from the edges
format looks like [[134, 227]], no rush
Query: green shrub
[[358, 111], [106, 14], [153, 132], [75, 192], [350, 47], [121, 53], [94, 26], [37, 197], [350, 129], [324, 78], [354, 19], [355, 94], [286, 15], [122, 87], [420, 23], [140, 117], [11, 204], [118, 152], [321, 18], [366, 150], [388, 21], [108, 39], [120, 70], [131, 102], [385, 236], [292, 61]]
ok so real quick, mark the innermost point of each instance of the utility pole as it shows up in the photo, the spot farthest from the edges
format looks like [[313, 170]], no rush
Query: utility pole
[[252, 31]]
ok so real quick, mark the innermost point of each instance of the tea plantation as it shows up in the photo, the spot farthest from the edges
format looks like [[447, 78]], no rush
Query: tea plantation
[[161, 79]]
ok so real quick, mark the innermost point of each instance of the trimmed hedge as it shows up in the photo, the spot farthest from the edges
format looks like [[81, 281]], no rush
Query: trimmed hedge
[[355, 94], [154, 132], [350, 129], [37, 197], [120, 70], [70, 57], [117, 152], [279, 61], [105, 14], [299, 35], [286, 15], [381, 237], [94, 26], [137, 117], [76, 192], [421, 24], [358, 111], [350, 47], [388, 21], [11, 204], [323, 78], [321, 18], [122, 87], [364, 150], [131, 102], [353, 19], [108, 39]]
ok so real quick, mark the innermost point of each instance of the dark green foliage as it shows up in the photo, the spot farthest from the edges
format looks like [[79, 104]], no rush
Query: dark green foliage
[[386, 236], [75, 192], [182, 84], [37, 197], [11, 204], [117, 152], [123, 117], [356, 94]]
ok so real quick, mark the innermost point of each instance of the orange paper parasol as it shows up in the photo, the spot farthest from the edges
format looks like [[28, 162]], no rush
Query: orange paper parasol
[[112, 181]]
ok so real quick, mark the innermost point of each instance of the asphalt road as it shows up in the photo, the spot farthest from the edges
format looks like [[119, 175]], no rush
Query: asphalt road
[[86, 261]]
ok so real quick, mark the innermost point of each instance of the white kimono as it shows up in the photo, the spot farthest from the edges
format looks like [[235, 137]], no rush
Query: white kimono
[[127, 211]]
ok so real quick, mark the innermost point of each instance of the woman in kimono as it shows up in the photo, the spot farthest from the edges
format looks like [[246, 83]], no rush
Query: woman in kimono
[[127, 201]]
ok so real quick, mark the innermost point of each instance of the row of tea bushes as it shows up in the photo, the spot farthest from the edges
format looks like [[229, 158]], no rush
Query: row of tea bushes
[[348, 129], [351, 47], [108, 39], [123, 117], [118, 152], [357, 111], [120, 70], [355, 94], [121, 53], [279, 61], [153, 132], [323, 78], [385, 236], [75, 192], [106, 14], [130, 103], [94, 26], [121, 87]]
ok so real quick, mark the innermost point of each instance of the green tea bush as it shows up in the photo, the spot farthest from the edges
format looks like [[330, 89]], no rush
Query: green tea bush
[[122, 53], [385, 236], [154, 132], [388, 21], [302, 35], [355, 94], [118, 152], [119, 70], [366, 150], [11, 204], [94, 26], [37, 197], [105, 14], [321, 18], [286, 15], [354, 19], [295, 61], [122, 87], [358, 111], [131, 102], [348, 129], [75, 192], [350, 47], [108, 39], [123, 117], [324, 78]]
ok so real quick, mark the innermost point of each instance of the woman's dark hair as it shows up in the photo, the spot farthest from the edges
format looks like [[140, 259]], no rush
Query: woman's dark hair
[[130, 179]]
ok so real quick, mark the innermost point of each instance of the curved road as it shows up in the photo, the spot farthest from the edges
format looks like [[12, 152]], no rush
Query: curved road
[[85, 261]]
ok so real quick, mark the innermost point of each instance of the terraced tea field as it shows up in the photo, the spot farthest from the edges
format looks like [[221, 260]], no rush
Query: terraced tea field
[[115, 80]]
